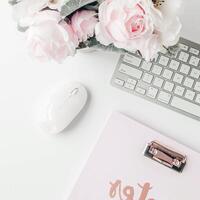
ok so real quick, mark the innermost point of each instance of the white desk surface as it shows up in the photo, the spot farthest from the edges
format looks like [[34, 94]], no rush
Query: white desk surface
[[35, 166]]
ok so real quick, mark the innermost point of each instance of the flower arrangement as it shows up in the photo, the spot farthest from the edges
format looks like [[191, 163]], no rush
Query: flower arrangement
[[55, 29]]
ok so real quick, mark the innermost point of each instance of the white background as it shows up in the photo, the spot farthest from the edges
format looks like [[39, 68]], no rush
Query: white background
[[35, 166]]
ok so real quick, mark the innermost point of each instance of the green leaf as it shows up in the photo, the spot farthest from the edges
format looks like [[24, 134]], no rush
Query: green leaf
[[13, 2], [93, 6], [100, 1], [110, 48], [73, 5], [21, 28], [93, 43]]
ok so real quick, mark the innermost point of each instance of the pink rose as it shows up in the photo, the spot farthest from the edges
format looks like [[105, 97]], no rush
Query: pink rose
[[150, 47], [128, 24], [83, 24], [48, 38]]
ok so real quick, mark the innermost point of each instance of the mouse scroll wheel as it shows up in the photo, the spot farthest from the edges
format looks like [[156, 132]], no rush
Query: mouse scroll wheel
[[74, 91]]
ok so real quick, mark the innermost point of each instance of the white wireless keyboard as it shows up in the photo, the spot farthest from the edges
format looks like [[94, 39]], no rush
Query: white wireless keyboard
[[173, 82]]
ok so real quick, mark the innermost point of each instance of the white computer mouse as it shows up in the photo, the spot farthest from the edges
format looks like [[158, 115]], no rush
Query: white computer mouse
[[61, 106]]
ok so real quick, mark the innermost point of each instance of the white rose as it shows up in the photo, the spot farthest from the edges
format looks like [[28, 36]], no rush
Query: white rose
[[168, 25], [25, 10]]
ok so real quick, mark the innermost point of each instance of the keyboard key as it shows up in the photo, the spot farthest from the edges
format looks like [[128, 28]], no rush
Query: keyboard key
[[155, 57], [146, 66], [189, 95], [195, 73], [167, 74], [157, 70], [197, 86], [131, 81], [152, 92], [158, 82], [197, 100], [194, 51], [140, 90], [186, 106], [178, 78], [147, 78], [185, 69], [169, 86], [119, 82], [130, 71], [179, 90], [164, 50], [164, 60], [184, 47], [164, 97], [194, 61], [175, 54], [183, 56], [188, 82], [174, 64], [129, 86], [131, 59]]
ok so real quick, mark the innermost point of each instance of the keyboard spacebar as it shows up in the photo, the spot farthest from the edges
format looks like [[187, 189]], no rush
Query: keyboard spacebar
[[186, 106]]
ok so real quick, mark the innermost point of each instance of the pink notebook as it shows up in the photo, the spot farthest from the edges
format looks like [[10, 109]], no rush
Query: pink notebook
[[119, 170]]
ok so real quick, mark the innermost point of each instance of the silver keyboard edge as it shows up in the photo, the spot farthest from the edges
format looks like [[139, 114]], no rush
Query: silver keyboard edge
[[155, 101]]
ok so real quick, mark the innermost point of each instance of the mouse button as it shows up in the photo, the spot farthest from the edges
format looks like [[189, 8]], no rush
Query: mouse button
[[73, 91]]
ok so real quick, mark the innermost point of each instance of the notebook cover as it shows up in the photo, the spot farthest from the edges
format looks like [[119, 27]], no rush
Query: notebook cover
[[118, 170]]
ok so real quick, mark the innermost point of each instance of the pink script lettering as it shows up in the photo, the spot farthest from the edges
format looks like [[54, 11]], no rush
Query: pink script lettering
[[127, 192]]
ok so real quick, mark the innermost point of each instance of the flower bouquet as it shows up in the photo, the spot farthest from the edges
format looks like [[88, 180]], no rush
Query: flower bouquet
[[55, 29]]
